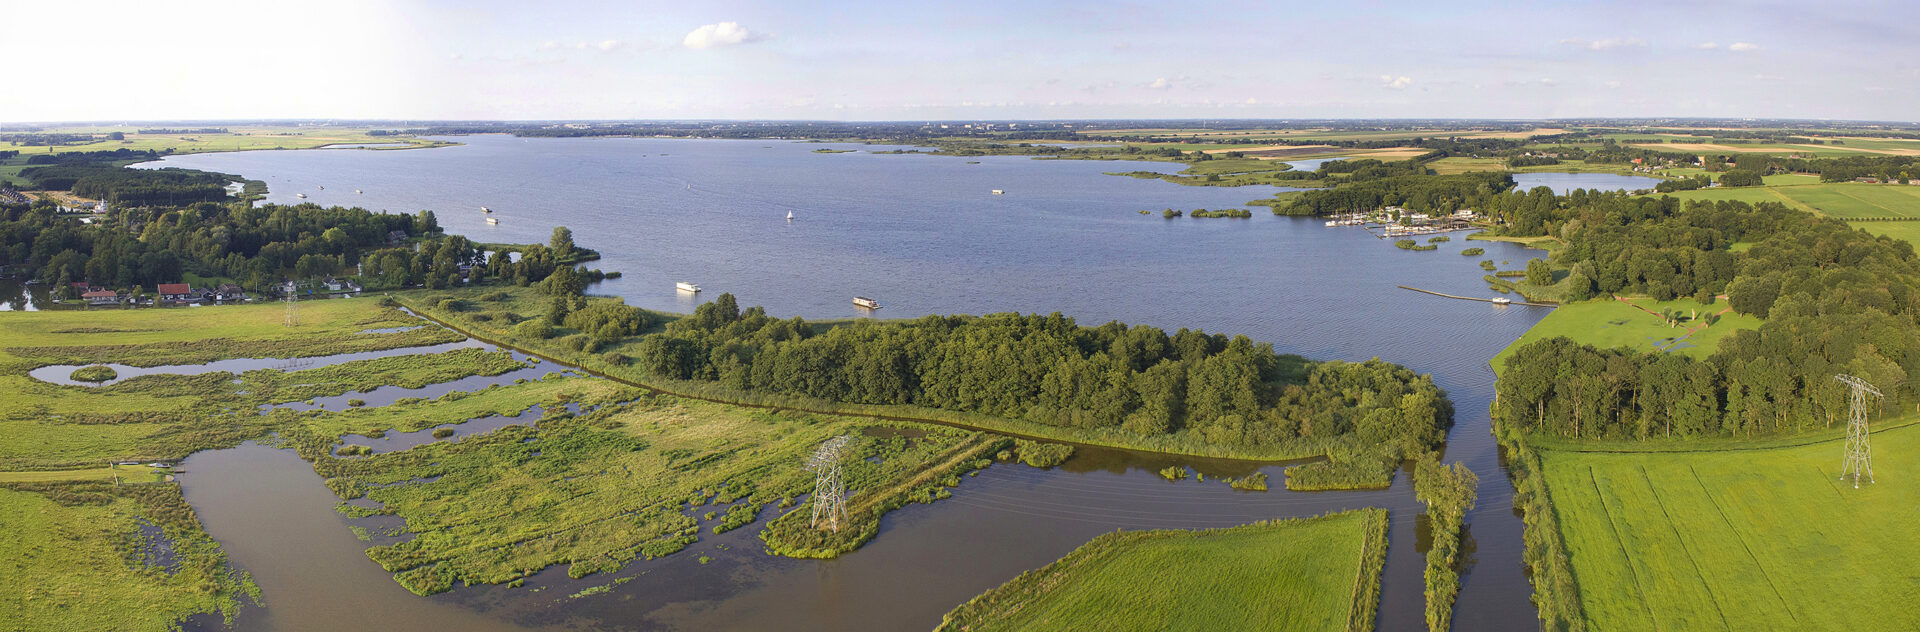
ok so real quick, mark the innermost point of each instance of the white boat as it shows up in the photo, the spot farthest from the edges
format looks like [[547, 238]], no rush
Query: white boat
[[789, 216], [485, 210], [356, 190], [686, 287], [493, 221], [323, 188], [1502, 301], [866, 302], [999, 192], [1331, 224], [300, 195]]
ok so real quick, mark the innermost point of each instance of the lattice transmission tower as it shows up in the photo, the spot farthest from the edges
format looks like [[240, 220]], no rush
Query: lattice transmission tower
[[829, 492], [292, 298], [1859, 457]]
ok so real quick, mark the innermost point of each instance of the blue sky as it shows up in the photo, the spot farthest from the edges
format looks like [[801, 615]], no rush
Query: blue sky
[[863, 60]]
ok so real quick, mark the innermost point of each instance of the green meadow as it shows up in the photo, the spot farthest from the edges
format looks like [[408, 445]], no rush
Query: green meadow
[[1612, 323], [1764, 539], [1306, 574]]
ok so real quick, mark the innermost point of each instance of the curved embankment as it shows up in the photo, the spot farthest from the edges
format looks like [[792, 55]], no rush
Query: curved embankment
[[1302, 451]]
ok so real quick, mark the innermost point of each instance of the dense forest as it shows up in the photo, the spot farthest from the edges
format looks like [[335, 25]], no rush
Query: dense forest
[[1049, 370], [1835, 300], [260, 247], [1367, 191]]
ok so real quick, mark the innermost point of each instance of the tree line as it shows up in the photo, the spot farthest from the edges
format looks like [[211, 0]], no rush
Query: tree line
[[1049, 370]]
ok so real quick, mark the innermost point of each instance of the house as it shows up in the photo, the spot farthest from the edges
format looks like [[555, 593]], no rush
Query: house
[[101, 297], [394, 237], [174, 292], [229, 292]]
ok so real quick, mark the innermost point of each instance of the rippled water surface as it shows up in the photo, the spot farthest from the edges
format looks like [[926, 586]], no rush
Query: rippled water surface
[[925, 234]]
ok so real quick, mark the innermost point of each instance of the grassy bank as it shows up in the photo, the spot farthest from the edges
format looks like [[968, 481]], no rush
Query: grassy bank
[[81, 556], [1739, 540], [1304, 574]]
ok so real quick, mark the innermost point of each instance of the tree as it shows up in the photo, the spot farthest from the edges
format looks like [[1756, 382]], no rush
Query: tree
[[561, 243], [1539, 273]]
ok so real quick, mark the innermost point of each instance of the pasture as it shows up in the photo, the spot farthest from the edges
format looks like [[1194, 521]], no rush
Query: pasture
[[1312, 574], [1612, 323], [1741, 539]]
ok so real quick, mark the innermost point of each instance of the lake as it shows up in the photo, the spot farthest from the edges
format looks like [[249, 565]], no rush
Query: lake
[[923, 235]]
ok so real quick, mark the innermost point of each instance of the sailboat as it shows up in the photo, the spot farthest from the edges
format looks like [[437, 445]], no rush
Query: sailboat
[[789, 216]]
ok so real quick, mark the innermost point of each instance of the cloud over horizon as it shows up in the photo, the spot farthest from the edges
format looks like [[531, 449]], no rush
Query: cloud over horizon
[[719, 34]]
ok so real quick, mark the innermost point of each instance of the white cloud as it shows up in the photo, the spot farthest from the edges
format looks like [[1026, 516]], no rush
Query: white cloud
[[720, 34], [1743, 47], [609, 45], [1160, 84], [1604, 44], [1707, 46], [1252, 101], [1395, 83]]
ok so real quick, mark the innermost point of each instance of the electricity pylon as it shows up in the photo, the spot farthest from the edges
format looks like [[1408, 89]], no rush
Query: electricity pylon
[[829, 493], [1859, 457], [292, 318]]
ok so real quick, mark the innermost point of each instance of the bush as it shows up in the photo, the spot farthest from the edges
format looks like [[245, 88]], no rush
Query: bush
[[580, 342], [1475, 252], [494, 296], [356, 403], [536, 329], [452, 305], [1440, 239], [1255, 482], [1174, 473], [354, 450], [1405, 244], [94, 373], [442, 433], [1039, 454]]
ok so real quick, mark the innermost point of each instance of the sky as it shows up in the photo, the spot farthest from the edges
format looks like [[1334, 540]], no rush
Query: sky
[[101, 61]]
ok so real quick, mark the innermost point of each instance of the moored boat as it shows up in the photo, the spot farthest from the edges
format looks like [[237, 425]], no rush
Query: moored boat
[[686, 287], [866, 302]]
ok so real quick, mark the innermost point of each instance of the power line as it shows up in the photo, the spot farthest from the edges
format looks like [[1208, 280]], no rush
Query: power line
[[292, 298], [1859, 456]]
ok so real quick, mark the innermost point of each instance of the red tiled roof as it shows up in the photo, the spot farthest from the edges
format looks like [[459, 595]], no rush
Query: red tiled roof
[[173, 288]]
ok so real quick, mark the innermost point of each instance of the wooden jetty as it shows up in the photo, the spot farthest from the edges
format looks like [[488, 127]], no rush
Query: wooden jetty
[[1470, 298]]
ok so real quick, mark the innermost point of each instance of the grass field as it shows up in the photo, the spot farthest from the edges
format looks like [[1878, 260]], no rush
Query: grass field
[[1909, 231], [1843, 200], [1284, 575], [1742, 539], [1609, 323], [239, 139], [122, 473], [74, 560]]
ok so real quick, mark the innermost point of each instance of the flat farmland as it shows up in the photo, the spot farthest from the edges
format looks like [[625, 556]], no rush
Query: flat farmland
[[1763, 539]]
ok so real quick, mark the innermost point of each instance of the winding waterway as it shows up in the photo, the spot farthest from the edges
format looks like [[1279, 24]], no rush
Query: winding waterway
[[922, 234]]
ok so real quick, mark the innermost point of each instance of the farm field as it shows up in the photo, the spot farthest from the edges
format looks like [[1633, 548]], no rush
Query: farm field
[[1741, 539], [1909, 231], [1612, 323], [1310, 574]]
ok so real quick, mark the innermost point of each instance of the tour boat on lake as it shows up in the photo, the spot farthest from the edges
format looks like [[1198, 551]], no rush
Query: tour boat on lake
[[1502, 301], [493, 221], [686, 287], [866, 302]]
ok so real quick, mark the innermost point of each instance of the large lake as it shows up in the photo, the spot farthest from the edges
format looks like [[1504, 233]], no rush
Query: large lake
[[925, 234]]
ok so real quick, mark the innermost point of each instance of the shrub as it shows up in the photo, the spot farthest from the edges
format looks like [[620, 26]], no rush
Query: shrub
[[1039, 454], [354, 450], [356, 403], [442, 433], [1440, 239], [94, 373], [536, 329], [494, 296], [1405, 244], [580, 342], [615, 358], [1255, 482], [452, 305], [1174, 473], [1475, 252]]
